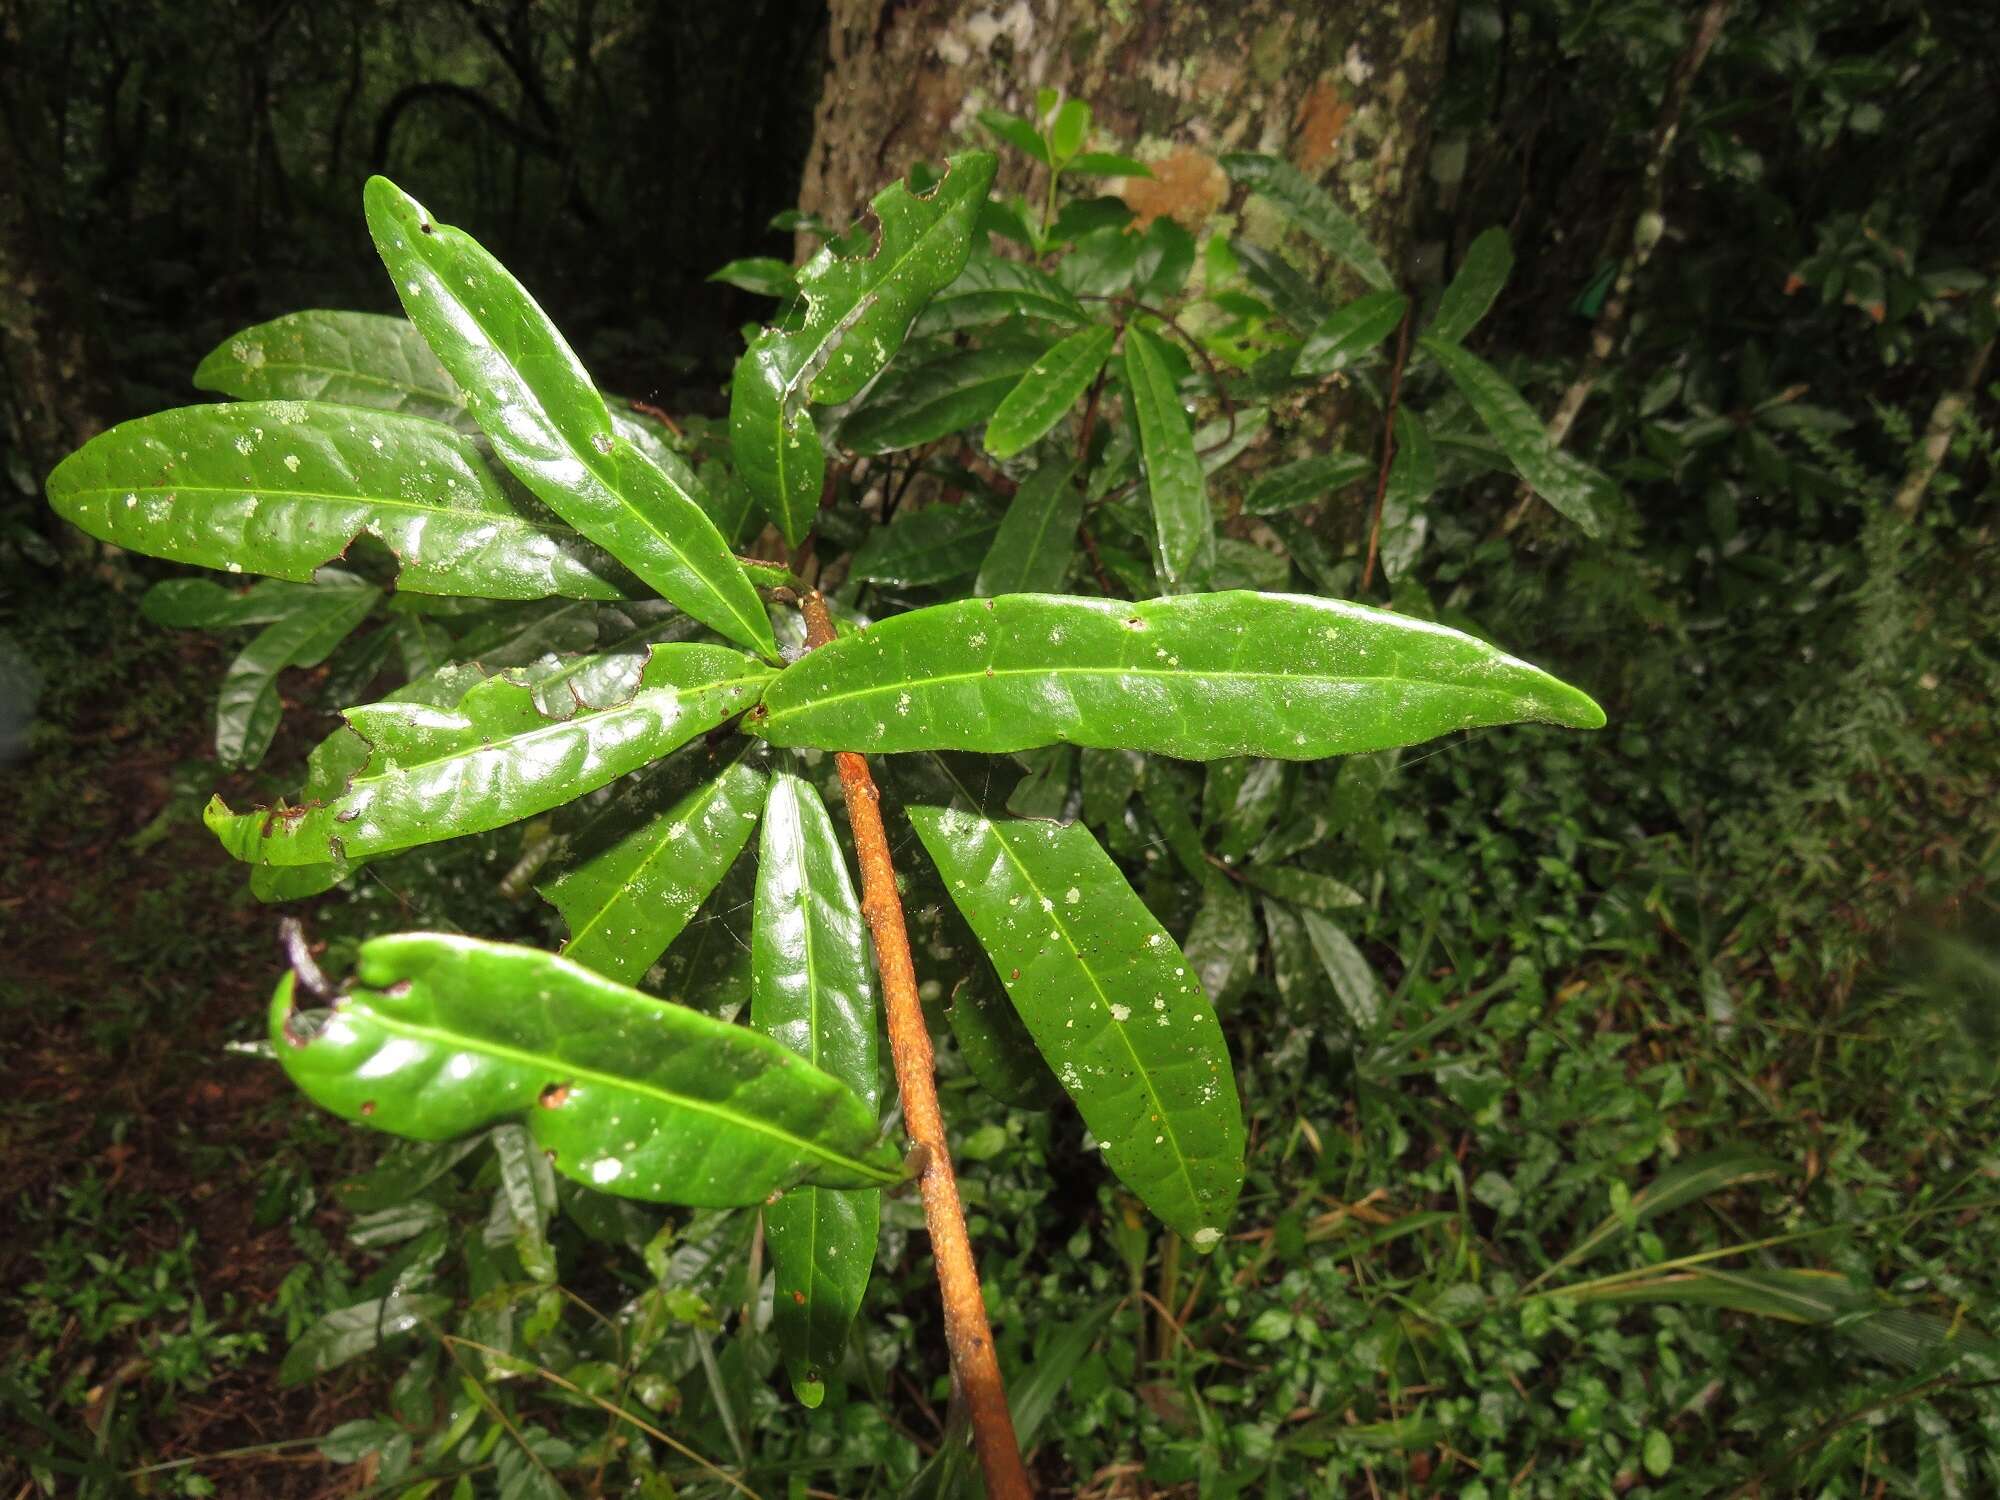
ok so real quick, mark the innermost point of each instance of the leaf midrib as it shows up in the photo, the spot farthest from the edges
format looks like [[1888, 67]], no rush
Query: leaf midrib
[[265, 494], [535, 1063]]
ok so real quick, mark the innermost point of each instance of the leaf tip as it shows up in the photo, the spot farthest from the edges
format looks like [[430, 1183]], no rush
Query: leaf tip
[[810, 1392]]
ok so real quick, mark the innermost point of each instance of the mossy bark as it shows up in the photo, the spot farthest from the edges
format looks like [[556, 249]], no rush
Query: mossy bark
[[1341, 90]]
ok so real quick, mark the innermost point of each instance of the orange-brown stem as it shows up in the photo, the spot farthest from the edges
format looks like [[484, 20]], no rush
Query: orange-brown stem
[[974, 1365]]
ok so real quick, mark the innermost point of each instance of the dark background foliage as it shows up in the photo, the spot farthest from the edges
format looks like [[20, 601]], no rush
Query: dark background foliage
[[1751, 916]]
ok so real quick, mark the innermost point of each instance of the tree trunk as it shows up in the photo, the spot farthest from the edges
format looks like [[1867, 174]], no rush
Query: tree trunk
[[1343, 91]]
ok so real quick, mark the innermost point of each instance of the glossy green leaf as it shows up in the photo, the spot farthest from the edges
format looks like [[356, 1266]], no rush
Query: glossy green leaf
[[439, 1035], [283, 487], [1412, 478], [1241, 806], [1354, 978], [996, 1046], [990, 289], [858, 310], [1568, 484], [1481, 275], [1303, 482], [204, 604], [762, 274], [515, 745], [348, 358], [1312, 208], [923, 403], [247, 709], [1221, 945], [549, 425], [1304, 887], [932, 545], [1036, 542], [1110, 1003], [1184, 526], [638, 871], [1052, 385], [1017, 133], [1198, 676], [347, 1333], [524, 1202], [1350, 333], [812, 990]]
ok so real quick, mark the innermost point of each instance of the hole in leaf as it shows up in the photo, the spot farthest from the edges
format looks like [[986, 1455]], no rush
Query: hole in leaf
[[554, 1097], [367, 1108]]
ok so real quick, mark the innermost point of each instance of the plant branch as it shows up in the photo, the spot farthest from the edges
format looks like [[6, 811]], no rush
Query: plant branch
[[975, 1367], [1388, 446], [1944, 419]]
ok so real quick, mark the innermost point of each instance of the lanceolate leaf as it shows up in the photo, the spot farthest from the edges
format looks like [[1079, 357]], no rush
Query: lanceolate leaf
[[1051, 386], [548, 423], [1303, 482], [1354, 978], [923, 403], [996, 1046], [1199, 677], [349, 1332], [515, 746], [1412, 478], [931, 545], [1567, 483], [1036, 542], [1313, 210], [989, 289], [247, 709], [1184, 526], [641, 869], [349, 358], [440, 1035], [1350, 333], [1488, 259], [1110, 1002], [811, 989], [858, 310], [282, 487]]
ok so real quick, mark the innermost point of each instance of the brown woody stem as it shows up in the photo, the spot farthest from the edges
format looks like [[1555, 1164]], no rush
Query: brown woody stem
[[975, 1368]]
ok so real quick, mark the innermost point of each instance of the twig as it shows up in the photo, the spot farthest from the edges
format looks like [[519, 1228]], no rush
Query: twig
[[647, 409], [974, 1365], [1937, 433], [1634, 235], [1388, 446]]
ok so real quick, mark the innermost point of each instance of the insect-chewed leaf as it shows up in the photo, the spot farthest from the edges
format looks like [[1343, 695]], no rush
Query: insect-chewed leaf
[[642, 868], [1198, 676], [516, 745], [349, 358], [1183, 525], [811, 990], [1109, 1001], [858, 310], [439, 1035], [533, 399], [282, 487]]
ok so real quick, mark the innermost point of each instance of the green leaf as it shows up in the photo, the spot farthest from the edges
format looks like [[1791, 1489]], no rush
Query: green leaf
[[1017, 133], [857, 312], [516, 745], [1412, 478], [639, 871], [1052, 385], [762, 274], [524, 1202], [1488, 260], [547, 422], [347, 1333], [1184, 526], [1350, 332], [283, 487], [932, 545], [1301, 483], [990, 289], [996, 1046], [1293, 297], [1676, 1186], [1110, 1003], [247, 710], [439, 1035], [923, 403], [1107, 164], [1198, 676], [1354, 978], [1567, 483], [1221, 945], [348, 358], [1036, 542], [1304, 887], [811, 990], [1309, 206], [1069, 129]]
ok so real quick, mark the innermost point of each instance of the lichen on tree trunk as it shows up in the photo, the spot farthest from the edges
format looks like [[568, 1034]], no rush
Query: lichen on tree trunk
[[1343, 91]]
